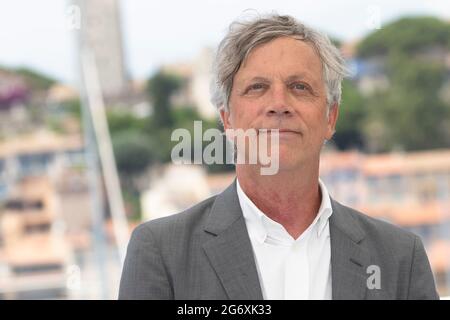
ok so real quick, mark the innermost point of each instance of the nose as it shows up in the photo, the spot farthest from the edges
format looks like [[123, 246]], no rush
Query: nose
[[278, 105], [278, 111]]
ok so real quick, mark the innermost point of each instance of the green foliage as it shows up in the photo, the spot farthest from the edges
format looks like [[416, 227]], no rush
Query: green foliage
[[409, 115], [36, 80], [335, 41], [412, 73], [406, 35], [168, 117], [351, 114], [185, 119], [161, 87], [122, 121], [132, 205], [72, 107], [133, 151]]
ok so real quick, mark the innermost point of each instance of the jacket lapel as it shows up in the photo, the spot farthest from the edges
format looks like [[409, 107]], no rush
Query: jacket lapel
[[349, 260], [230, 251]]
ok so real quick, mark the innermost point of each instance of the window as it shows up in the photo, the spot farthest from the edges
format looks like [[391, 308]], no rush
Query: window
[[37, 228]]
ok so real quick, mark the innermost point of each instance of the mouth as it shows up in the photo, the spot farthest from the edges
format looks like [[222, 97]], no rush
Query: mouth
[[281, 132]]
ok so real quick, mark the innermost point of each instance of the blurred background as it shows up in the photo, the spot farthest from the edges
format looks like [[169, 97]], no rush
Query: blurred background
[[91, 90]]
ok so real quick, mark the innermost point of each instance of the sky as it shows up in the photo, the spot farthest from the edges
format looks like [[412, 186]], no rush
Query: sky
[[35, 33]]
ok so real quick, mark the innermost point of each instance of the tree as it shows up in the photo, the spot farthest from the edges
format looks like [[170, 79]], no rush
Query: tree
[[133, 152], [406, 35], [161, 87], [36, 80], [409, 114], [122, 121], [351, 116]]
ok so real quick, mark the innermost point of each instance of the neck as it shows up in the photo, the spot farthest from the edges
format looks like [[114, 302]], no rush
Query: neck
[[291, 197]]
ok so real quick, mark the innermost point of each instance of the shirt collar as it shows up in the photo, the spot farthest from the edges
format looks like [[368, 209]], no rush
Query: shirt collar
[[325, 209], [260, 226]]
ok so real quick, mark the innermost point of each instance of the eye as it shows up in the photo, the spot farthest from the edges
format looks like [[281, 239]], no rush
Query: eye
[[256, 87], [299, 86]]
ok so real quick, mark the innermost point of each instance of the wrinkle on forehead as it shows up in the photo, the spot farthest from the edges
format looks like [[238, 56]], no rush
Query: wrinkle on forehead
[[273, 59]]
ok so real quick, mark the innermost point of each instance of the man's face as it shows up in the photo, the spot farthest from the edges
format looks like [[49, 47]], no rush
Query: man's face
[[280, 86]]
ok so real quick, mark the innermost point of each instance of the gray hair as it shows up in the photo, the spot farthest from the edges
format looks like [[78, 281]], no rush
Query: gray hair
[[243, 36]]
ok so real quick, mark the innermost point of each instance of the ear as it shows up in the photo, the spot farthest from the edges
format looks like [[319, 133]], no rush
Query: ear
[[333, 115], [225, 116]]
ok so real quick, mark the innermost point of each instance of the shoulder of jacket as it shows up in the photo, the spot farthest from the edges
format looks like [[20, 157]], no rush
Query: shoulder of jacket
[[381, 230], [169, 224]]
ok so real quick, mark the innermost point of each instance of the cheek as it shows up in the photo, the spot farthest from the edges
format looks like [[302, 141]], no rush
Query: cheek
[[243, 115], [317, 123]]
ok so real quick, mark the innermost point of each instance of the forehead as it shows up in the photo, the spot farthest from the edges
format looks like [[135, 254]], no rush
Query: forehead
[[284, 56]]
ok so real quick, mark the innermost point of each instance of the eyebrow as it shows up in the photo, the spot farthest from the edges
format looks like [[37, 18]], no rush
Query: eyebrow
[[298, 76], [255, 79]]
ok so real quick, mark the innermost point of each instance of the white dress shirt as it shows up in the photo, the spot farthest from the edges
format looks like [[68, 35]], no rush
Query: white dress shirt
[[290, 268]]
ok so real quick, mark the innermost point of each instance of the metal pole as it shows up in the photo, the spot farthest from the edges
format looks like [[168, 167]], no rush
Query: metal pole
[[101, 131], [95, 192]]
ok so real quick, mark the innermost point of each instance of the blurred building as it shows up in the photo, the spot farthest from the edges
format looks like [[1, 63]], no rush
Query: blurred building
[[198, 75], [101, 33], [13, 89], [33, 253], [411, 190], [44, 216], [14, 95], [37, 153], [201, 81], [371, 74], [48, 249], [174, 189], [60, 93]]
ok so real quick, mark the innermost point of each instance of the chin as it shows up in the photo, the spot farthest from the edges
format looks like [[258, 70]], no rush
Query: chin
[[289, 158], [289, 161]]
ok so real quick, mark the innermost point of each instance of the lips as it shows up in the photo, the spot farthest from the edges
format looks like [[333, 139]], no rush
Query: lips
[[281, 131]]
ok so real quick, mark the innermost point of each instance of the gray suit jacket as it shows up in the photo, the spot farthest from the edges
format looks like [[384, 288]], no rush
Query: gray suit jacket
[[205, 253]]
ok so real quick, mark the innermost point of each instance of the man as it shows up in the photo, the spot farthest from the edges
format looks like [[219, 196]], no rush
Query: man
[[276, 236]]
